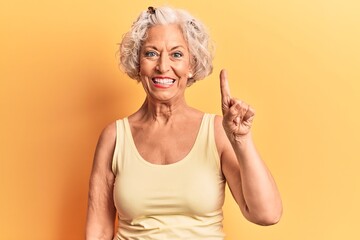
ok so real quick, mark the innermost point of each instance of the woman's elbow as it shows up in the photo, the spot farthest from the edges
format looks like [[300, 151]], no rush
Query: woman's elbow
[[267, 217], [268, 220]]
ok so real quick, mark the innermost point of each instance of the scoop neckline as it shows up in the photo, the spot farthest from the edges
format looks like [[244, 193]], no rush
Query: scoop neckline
[[180, 162]]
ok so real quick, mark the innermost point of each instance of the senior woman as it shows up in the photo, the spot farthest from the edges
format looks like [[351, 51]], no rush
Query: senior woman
[[163, 169]]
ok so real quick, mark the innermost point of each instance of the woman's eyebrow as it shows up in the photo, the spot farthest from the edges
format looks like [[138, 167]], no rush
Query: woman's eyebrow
[[179, 46], [155, 48], [151, 46]]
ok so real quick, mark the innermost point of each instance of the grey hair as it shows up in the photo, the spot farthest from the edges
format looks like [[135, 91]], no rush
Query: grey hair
[[195, 33]]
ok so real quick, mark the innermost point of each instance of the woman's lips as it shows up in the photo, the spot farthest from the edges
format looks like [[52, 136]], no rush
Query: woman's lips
[[161, 82]]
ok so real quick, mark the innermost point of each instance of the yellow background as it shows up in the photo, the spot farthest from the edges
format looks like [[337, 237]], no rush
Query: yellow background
[[296, 62]]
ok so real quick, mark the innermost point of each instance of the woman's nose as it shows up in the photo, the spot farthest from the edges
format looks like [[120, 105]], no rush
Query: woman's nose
[[164, 63]]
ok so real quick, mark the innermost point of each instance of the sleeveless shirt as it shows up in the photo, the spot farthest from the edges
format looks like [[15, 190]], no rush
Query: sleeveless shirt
[[182, 200]]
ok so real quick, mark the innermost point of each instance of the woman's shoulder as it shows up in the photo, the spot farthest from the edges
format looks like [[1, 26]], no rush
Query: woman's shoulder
[[220, 135], [108, 135], [109, 132], [217, 121], [104, 149]]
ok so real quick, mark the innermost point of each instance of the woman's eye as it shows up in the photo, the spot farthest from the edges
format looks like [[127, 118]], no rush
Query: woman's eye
[[150, 54], [177, 54]]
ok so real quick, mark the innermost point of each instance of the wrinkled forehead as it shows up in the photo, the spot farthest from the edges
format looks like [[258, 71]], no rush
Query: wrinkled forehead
[[168, 34]]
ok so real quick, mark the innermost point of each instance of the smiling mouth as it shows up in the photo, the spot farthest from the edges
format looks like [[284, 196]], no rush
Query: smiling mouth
[[163, 82]]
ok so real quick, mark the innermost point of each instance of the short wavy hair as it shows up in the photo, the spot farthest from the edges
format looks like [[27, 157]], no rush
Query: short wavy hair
[[195, 34]]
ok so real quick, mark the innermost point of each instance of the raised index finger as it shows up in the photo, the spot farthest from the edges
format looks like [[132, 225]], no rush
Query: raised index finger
[[224, 86]]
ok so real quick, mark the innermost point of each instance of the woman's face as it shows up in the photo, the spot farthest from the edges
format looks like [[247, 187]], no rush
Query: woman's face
[[165, 63]]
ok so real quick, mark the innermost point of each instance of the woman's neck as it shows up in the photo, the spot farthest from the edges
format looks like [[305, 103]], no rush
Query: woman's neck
[[162, 112]]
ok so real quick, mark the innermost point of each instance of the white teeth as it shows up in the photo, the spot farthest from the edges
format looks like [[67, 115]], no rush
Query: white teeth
[[166, 81]]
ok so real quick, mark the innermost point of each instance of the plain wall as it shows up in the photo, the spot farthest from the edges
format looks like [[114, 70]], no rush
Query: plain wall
[[296, 62]]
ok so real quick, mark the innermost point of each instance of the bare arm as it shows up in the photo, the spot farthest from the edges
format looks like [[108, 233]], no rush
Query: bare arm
[[250, 181], [101, 209]]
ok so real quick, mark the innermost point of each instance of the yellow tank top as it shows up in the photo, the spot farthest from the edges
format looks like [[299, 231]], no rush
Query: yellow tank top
[[182, 200]]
